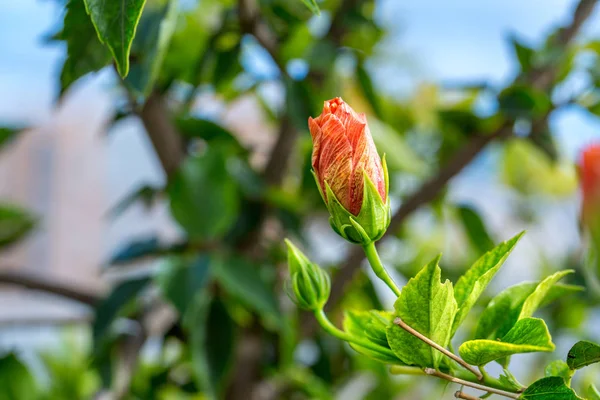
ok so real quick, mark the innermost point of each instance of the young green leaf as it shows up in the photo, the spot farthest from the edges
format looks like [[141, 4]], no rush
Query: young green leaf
[[470, 286], [558, 368], [85, 53], [428, 306], [550, 388], [366, 324], [527, 336], [582, 354], [116, 22], [593, 392], [503, 310], [536, 298]]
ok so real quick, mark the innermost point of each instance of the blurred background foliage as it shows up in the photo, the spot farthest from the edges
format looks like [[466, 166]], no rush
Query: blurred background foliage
[[205, 315]]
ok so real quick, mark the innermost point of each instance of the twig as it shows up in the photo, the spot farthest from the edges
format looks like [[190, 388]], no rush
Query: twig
[[34, 282], [461, 395], [441, 375], [473, 370]]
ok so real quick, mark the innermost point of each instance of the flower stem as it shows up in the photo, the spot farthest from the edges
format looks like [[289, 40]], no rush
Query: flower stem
[[378, 268], [340, 334]]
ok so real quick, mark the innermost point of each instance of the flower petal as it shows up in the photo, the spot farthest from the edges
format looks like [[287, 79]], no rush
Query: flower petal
[[335, 158]]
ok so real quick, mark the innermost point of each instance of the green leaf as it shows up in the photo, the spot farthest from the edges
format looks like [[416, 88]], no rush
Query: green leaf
[[550, 388], [558, 368], [15, 224], [582, 354], [312, 6], [524, 54], [503, 310], [108, 309], [212, 343], [241, 279], [372, 326], [475, 228], [147, 194], [136, 249], [15, 380], [209, 131], [523, 102], [429, 307], [593, 392], [536, 298], [527, 336], [85, 53], [204, 197], [181, 279], [7, 133], [472, 284], [116, 22], [154, 33]]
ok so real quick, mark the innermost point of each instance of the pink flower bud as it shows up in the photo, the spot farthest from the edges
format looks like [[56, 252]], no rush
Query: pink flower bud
[[343, 151]]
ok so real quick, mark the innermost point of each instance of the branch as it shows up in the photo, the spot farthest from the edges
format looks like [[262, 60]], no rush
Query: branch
[[398, 321], [450, 378], [541, 79], [167, 142], [34, 282], [461, 395]]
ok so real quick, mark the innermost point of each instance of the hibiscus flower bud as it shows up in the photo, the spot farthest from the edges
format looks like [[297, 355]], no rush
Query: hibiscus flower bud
[[309, 285], [590, 185], [351, 177]]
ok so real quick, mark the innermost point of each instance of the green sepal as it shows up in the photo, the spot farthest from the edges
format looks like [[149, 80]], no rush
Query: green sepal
[[371, 222]]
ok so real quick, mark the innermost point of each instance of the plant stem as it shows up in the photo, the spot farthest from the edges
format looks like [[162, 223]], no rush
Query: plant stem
[[489, 384], [378, 268], [461, 395], [398, 321], [340, 334], [489, 389]]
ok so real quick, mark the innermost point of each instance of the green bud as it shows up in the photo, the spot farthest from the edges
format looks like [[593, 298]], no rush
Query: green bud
[[309, 285], [371, 222]]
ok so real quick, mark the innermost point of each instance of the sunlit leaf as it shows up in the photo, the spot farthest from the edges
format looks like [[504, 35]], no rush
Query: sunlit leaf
[[428, 306], [472, 284], [116, 22], [503, 311], [526, 336]]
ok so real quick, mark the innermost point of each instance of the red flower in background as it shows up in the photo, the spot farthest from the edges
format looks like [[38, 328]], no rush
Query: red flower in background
[[590, 184], [342, 150]]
